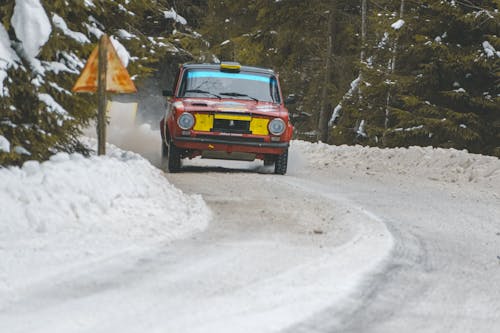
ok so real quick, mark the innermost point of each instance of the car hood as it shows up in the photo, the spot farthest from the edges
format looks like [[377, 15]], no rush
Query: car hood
[[231, 106]]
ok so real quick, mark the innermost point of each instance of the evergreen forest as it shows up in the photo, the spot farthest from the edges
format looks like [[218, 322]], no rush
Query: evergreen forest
[[379, 73]]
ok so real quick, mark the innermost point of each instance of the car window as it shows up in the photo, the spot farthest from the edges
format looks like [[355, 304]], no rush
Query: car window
[[214, 83]]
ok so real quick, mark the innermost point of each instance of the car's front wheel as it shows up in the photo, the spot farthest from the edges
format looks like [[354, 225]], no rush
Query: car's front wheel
[[281, 163], [170, 157]]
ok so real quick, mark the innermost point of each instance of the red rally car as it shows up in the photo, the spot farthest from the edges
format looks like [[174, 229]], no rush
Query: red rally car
[[226, 111]]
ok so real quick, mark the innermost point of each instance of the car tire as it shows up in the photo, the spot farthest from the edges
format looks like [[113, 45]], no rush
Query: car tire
[[173, 158], [164, 156], [281, 163]]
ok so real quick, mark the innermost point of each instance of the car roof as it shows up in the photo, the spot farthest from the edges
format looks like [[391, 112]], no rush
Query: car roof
[[217, 67]]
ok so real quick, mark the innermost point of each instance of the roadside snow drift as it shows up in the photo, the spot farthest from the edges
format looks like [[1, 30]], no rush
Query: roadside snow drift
[[74, 207], [437, 164]]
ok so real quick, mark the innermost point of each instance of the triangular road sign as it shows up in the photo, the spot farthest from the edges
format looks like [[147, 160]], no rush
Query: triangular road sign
[[117, 78]]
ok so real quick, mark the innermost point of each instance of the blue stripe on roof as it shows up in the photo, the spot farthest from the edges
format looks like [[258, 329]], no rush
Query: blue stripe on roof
[[198, 74]]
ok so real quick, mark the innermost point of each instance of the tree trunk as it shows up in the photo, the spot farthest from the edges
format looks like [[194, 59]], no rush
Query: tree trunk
[[393, 69], [364, 7], [395, 48], [323, 116], [363, 29]]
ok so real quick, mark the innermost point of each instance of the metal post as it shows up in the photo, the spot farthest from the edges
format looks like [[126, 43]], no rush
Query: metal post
[[101, 95]]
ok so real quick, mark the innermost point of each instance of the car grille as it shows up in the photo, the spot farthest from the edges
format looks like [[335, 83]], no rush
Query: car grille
[[231, 126]]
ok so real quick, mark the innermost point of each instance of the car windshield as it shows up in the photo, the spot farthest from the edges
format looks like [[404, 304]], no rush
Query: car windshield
[[242, 85]]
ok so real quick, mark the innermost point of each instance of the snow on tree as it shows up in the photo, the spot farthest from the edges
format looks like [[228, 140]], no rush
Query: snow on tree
[[444, 90], [44, 46]]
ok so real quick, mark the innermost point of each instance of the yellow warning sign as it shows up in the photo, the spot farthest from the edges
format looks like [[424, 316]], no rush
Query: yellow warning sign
[[117, 78]]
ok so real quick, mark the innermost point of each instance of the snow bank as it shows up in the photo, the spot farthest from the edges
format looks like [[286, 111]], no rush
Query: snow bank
[[449, 165], [71, 208], [120, 194]]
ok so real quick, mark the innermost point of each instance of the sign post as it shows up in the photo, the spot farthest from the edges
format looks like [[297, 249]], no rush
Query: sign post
[[101, 96], [103, 73]]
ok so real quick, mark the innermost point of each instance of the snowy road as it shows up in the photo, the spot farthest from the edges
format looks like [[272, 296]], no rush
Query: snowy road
[[275, 253], [442, 273], [350, 240]]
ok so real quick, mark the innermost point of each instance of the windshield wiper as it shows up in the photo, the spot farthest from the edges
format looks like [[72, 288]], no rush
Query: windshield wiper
[[235, 94], [199, 91]]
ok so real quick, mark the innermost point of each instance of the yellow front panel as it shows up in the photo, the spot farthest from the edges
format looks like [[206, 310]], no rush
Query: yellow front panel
[[232, 117], [258, 126], [204, 122]]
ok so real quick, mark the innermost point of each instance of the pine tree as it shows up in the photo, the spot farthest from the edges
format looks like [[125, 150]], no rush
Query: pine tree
[[290, 37], [442, 92], [39, 115]]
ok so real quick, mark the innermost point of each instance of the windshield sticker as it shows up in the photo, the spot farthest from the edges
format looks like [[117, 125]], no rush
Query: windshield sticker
[[199, 74]]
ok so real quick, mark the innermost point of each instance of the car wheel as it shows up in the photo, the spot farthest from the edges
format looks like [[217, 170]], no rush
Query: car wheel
[[281, 163], [164, 156], [174, 158]]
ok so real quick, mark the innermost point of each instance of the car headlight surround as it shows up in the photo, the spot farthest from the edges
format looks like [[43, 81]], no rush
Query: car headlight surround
[[185, 121], [277, 126]]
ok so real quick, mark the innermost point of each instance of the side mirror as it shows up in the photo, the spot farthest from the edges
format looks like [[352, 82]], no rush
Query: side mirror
[[291, 99], [167, 93]]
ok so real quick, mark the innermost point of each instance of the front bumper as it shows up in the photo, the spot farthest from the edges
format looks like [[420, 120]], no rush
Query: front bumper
[[229, 145], [233, 142]]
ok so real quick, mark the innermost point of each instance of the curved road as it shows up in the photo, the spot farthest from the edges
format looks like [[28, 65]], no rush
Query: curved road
[[443, 272], [332, 249]]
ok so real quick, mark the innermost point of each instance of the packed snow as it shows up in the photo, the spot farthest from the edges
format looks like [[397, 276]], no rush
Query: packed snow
[[354, 87], [52, 105], [107, 243], [61, 24], [449, 165], [122, 33], [76, 209], [4, 144], [89, 238], [172, 14], [7, 55], [89, 3], [490, 50], [121, 51], [20, 150], [94, 30], [398, 24], [57, 67], [8, 58], [32, 26]]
